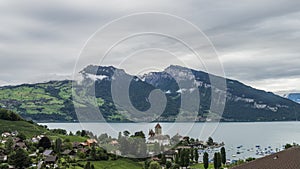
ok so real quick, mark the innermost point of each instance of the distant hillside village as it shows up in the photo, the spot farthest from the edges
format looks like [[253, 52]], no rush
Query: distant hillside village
[[83, 150], [48, 151]]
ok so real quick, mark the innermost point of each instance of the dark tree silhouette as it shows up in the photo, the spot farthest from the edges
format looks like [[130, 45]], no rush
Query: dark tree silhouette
[[205, 160], [45, 143], [223, 155]]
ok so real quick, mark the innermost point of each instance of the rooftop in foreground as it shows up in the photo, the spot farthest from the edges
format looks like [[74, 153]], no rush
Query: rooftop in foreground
[[287, 159]]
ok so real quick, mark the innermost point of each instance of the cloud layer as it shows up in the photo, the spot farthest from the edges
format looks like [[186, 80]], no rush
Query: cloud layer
[[257, 41]]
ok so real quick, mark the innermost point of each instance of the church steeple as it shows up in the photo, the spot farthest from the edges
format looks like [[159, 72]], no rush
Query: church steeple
[[151, 133], [158, 129]]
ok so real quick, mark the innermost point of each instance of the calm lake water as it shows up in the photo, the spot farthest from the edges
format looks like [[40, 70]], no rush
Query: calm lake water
[[241, 140]]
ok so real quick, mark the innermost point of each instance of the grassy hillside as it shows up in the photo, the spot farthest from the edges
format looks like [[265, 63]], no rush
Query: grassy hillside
[[10, 121], [31, 130], [21, 126], [52, 99]]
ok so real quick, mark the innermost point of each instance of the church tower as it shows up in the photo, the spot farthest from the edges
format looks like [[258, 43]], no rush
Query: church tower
[[158, 129]]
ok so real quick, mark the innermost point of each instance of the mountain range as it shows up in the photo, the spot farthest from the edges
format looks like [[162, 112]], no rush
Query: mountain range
[[72, 101], [294, 97]]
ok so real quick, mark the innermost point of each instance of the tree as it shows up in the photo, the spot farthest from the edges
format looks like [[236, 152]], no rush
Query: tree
[[81, 154], [57, 145], [168, 164], [139, 134], [147, 164], [126, 133], [83, 133], [176, 166], [205, 160], [219, 160], [210, 141], [87, 165], [119, 136], [176, 158], [216, 160], [223, 155], [45, 143], [196, 155], [19, 159], [4, 166], [9, 145], [163, 159], [93, 153], [154, 165], [78, 133], [192, 154], [184, 158], [287, 146]]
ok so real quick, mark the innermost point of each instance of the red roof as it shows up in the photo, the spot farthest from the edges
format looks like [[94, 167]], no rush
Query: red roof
[[158, 126], [287, 159]]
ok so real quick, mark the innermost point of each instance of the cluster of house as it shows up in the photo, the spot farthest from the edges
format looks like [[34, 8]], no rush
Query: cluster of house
[[156, 136], [17, 143], [49, 157], [84, 147]]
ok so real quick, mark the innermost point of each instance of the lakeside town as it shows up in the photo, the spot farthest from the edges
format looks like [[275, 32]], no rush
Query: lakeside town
[[85, 150], [41, 151]]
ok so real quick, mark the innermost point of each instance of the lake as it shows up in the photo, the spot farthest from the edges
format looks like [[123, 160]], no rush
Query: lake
[[241, 139]]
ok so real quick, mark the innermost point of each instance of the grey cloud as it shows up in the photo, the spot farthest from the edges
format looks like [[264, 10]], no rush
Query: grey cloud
[[256, 40]]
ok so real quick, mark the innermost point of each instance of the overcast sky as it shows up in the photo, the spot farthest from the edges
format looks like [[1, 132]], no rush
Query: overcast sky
[[257, 40]]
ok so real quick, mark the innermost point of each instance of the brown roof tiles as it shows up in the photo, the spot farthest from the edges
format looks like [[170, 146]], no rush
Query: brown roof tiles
[[287, 159]]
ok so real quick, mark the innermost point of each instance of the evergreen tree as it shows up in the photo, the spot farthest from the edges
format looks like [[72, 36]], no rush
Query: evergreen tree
[[19, 159], [205, 160], [219, 160], [216, 160], [192, 154], [186, 158], [83, 133], [45, 143], [57, 145], [182, 159], [119, 136], [196, 155], [223, 154]]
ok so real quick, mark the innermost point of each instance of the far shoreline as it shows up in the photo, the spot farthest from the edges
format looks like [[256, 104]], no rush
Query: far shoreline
[[44, 122]]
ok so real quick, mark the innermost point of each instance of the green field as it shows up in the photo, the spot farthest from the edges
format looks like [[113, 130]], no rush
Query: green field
[[24, 127], [31, 130], [116, 164]]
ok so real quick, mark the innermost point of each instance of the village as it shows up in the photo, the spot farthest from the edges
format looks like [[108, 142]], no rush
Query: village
[[42, 151]]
